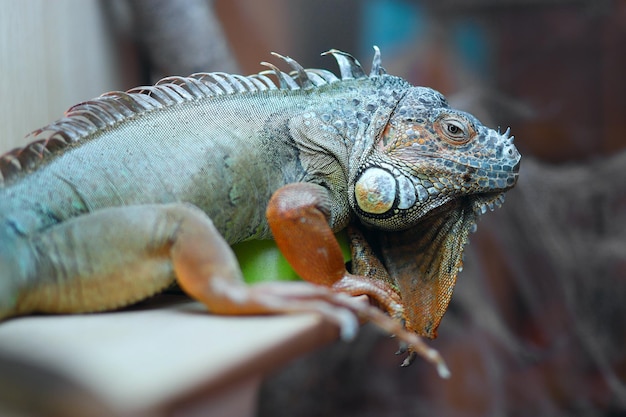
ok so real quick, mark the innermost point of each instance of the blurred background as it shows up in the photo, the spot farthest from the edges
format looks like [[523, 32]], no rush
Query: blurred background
[[537, 324]]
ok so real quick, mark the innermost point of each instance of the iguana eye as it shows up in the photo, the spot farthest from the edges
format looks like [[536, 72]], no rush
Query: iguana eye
[[454, 129]]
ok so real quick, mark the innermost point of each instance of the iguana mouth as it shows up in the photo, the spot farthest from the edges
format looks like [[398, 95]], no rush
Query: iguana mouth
[[478, 203]]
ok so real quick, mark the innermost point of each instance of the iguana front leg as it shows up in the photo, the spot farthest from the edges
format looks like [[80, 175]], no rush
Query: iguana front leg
[[298, 216], [367, 263]]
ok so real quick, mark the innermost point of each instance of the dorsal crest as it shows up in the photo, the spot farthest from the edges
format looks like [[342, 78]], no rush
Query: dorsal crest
[[87, 118]]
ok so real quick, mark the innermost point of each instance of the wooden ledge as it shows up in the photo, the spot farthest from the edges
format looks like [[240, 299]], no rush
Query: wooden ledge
[[157, 360]]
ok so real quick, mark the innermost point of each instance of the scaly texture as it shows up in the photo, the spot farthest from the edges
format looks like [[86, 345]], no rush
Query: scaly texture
[[101, 208]]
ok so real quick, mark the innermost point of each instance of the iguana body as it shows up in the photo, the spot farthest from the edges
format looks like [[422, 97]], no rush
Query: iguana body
[[134, 190]]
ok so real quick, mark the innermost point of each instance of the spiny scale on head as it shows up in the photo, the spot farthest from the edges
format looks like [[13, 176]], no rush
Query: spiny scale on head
[[507, 134], [87, 118]]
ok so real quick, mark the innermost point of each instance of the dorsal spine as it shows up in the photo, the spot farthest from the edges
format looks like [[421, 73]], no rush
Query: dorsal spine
[[89, 117]]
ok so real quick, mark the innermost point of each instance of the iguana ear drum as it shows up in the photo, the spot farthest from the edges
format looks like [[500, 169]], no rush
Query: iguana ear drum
[[375, 191]]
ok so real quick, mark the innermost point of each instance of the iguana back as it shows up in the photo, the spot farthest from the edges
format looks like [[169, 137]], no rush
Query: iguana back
[[218, 141]]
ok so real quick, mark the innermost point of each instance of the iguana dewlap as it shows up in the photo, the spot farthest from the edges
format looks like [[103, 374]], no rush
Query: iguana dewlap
[[131, 191]]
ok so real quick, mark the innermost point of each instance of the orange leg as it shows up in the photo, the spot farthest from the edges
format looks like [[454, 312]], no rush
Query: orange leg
[[298, 217]]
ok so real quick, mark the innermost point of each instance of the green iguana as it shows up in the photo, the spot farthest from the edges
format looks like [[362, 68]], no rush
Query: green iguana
[[131, 191]]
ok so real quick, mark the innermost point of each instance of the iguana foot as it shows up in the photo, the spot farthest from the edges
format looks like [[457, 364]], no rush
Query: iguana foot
[[290, 297], [337, 307], [384, 296]]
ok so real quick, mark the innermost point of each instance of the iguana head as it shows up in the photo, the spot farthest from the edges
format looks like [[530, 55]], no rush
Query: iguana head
[[431, 172], [426, 157], [419, 175]]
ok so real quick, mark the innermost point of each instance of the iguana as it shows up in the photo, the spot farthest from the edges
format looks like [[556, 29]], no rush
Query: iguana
[[134, 190]]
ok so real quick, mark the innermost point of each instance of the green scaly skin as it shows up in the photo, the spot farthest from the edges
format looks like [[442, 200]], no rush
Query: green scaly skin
[[396, 161]]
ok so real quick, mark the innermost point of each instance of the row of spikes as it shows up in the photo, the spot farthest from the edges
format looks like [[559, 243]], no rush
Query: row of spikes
[[110, 108], [349, 68]]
